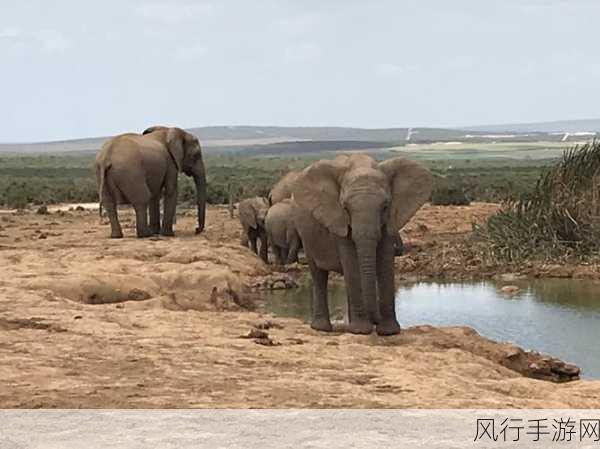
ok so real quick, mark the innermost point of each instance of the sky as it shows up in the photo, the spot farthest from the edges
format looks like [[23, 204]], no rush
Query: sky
[[74, 69]]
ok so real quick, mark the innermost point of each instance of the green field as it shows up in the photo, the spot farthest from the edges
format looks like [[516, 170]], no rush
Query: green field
[[485, 171]]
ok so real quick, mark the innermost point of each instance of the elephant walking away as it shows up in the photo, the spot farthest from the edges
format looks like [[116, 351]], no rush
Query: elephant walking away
[[281, 232], [137, 169], [349, 211], [252, 212]]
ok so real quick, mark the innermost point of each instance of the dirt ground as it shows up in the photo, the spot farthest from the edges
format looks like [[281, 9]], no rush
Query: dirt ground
[[91, 322]]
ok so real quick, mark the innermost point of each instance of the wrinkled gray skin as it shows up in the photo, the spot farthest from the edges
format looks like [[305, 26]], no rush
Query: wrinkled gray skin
[[281, 232], [253, 212], [283, 189], [398, 246], [137, 169], [348, 212]]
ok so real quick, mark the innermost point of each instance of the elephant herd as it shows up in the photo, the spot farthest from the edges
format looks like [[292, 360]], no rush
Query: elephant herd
[[344, 213]]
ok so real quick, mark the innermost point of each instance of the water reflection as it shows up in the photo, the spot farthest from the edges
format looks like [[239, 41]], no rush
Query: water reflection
[[560, 317]]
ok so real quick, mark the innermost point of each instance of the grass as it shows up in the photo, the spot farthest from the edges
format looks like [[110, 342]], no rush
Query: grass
[[68, 177], [558, 219]]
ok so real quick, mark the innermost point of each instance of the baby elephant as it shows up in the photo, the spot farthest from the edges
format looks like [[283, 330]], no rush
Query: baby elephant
[[281, 232], [252, 217]]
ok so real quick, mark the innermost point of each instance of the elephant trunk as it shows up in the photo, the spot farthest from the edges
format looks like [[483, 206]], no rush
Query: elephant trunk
[[200, 181], [367, 256]]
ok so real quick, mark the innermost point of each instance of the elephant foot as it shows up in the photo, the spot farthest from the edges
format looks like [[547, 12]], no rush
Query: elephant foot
[[167, 234], [375, 317], [144, 235], [321, 324], [388, 327], [200, 230], [362, 327], [116, 235]]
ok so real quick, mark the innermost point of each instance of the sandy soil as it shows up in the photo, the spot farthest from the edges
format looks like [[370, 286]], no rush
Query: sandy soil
[[91, 322]]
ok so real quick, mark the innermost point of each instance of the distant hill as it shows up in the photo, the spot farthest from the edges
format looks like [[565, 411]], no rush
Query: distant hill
[[219, 137], [252, 138], [559, 126]]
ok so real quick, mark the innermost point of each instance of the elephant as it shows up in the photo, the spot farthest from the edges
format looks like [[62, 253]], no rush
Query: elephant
[[253, 212], [398, 245], [137, 168], [347, 212], [281, 232], [283, 188]]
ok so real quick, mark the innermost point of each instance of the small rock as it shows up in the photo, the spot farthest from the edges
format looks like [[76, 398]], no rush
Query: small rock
[[135, 294], [278, 284], [80, 208], [268, 325], [256, 333], [77, 317], [266, 342], [42, 236], [42, 210], [510, 289]]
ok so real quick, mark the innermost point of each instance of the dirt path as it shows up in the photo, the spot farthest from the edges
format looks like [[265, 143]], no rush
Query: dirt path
[[91, 322]]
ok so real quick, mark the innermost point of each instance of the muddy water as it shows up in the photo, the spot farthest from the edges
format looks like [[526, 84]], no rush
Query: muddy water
[[559, 317]]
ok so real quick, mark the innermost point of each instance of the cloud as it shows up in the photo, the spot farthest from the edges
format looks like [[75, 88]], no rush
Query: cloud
[[190, 52], [174, 13], [296, 25], [10, 33], [303, 52], [52, 41], [388, 70]]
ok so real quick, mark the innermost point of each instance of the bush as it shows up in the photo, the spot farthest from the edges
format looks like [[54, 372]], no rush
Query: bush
[[449, 192], [559, 219]]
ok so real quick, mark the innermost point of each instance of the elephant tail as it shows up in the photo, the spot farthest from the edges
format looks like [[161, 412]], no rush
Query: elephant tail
[[102, 190]]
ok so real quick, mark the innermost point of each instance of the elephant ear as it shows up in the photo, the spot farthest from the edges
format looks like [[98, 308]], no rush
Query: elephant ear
[[317, 190], [283, 189], [411, 184], [154, 128], [175, 146], [247, 214]]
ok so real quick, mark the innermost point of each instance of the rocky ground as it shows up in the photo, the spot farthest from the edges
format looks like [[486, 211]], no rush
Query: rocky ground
[[91, 322]]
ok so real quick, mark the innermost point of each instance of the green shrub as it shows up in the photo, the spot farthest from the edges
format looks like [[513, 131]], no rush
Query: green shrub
[[449, 192], [559, 219]]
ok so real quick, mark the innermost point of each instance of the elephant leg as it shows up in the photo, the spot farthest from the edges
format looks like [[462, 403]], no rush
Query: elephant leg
[[320, 306], [170, 205], [277, 254], [244, 239], [293, 251], [388, 325], [115, 227], [358, 316], [284, 252], [264, 247], [141, 220], [154, 210], [252, 237]]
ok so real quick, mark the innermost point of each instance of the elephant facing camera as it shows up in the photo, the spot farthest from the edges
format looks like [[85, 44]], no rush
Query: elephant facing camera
[[348, 213]]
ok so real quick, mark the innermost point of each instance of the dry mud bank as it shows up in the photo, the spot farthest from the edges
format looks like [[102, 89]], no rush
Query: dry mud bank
[[91, 322]]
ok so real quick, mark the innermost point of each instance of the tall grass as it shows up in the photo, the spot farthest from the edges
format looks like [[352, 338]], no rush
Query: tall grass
[[560, 219]]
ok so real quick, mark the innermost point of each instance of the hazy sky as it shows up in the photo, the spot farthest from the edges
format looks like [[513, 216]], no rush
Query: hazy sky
[[87, 68]]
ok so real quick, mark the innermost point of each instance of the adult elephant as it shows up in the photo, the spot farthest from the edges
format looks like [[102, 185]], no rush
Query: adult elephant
[[348, 212], [137, 169], [281, 232], [252, 212], [283, 188]]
